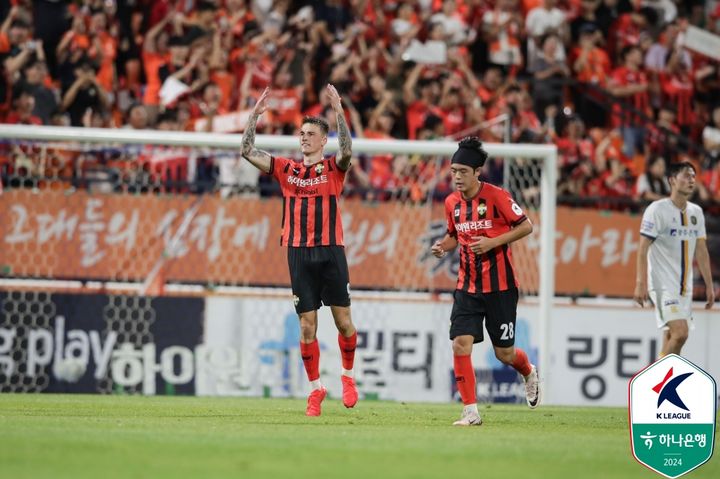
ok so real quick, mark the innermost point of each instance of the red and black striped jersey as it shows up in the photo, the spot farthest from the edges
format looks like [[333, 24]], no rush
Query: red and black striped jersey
[[490, 213], [311, 214]]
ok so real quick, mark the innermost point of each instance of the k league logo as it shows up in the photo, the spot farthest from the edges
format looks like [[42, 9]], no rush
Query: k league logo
[[672, 416], [667, 390]]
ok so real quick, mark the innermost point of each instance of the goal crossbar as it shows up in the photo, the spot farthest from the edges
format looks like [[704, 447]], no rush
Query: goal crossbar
[[548, 154]]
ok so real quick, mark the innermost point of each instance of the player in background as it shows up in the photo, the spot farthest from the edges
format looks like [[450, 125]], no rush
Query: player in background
[[483, 220], [672, 233], [313, 234]]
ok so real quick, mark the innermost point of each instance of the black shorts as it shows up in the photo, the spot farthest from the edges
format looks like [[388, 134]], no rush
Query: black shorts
[[497, 309], [318, 275]]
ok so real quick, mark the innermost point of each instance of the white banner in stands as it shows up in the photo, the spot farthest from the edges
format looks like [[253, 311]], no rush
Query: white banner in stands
[[702, 41]]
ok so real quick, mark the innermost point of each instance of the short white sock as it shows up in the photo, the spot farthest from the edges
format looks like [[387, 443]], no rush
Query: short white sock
[[316, 384], [347, 372], [471, 408]]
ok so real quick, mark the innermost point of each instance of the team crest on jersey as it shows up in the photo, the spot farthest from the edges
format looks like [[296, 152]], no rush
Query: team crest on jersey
[[693, 220], [482, 209], [457, 213], [319, 168], [296, 171]]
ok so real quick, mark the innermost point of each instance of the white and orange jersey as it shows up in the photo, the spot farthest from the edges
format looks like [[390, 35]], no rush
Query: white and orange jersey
[[674, 234]]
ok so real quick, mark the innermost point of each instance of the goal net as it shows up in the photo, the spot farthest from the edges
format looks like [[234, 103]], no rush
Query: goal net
[[148, 211]]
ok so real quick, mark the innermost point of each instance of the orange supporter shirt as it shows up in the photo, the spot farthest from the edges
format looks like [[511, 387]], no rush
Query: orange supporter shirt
[[284, 106], [528, 5], [678, 90], [106, 74], [13, 118], [623, 77], [597, 66], [152, 63], [711, 179], [415, 116], [226, 82], [4, 43], [626, 32], [453, 120], [381, 174]]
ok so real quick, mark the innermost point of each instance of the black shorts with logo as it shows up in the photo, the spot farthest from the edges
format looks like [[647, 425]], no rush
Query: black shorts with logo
[[318, 275], [497, 309]]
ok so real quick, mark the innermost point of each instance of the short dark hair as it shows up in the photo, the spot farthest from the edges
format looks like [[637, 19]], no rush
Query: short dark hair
[[627, 50], [674, 169], [473, 144], [314, 120]]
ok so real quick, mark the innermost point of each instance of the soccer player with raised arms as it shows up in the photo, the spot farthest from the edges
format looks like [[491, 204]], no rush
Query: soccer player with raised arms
[[483, 220], [672, 233], [313, 234]]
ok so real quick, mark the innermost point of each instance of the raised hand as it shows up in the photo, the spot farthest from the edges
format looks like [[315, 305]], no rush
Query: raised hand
[[261, 104], [335, 100]]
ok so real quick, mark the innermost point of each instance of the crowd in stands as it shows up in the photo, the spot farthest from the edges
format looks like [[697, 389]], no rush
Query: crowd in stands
[[608, 81]]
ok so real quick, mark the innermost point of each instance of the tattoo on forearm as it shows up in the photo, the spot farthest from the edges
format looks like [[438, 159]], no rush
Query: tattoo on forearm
[[344, 139], [248, 141]]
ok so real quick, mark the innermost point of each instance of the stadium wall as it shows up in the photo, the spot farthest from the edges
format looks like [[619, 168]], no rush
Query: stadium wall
[[119, 237], [248, 346]]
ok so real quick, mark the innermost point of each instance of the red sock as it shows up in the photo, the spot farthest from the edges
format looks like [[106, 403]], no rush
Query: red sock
[[347, 349], [310, 353], [465, 378], [521, 363]]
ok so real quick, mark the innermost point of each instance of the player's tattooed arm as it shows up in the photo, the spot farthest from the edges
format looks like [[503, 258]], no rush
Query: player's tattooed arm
[[344, 139], [259, 158]]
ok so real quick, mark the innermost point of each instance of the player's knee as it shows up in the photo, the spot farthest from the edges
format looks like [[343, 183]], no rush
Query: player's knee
[[505, 355], [308, 328], [344, 325], [680, 335], [461, 348], [343, 321]]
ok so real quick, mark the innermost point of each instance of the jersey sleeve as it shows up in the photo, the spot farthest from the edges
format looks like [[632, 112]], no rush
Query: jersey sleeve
[[509, 209], [451, 231], [650, 224], [702, 234], [277, 167], [333, 160], [337, 174]]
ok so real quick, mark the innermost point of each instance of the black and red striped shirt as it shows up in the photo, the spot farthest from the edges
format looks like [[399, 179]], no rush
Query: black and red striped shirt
[[490, 213], [311, 212]]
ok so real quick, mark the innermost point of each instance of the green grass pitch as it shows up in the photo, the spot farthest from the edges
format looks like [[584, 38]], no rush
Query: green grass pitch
[[74, 436]]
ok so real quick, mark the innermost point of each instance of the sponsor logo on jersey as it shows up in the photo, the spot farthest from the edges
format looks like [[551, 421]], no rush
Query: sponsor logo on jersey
[[474, 226], [293, 180]]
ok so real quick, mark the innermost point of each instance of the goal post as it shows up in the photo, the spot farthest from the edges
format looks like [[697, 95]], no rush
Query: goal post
[[544, 158]]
